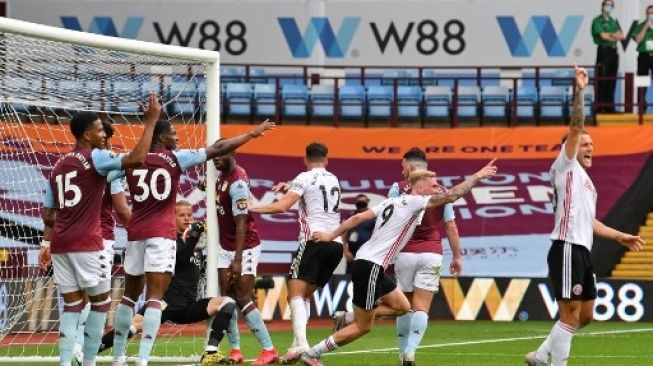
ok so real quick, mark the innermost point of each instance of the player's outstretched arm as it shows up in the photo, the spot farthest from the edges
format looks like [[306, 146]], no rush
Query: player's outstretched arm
[[463, 188], [137, 156], [282, 205], [349, 224], [225, 146], [632, 242], [119, 202], [577, 123]]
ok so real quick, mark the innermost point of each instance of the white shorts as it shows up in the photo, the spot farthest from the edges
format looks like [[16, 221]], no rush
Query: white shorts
[[82, 270], [421, 270], [108, 246], [150, 255], [248, 264]]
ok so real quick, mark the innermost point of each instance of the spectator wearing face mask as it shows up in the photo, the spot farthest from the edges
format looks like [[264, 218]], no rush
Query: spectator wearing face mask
[[355, 238], [643, 35], [606, 32]]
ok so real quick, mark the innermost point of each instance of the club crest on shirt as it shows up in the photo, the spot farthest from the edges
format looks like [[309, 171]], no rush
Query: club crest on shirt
[[588, 184], [577, 289], [241, 204]]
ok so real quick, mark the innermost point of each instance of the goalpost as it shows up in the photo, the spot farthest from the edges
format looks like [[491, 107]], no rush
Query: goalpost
[[47, 74]]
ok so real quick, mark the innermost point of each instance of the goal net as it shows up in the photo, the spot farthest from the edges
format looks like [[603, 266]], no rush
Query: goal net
[[43, 82]]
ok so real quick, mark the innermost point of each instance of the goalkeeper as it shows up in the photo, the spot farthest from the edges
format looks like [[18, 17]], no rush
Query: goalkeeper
[[180, 302]]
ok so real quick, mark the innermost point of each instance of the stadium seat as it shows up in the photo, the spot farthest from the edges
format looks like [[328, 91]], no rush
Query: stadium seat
[[429, 78], [526, 101], [563, 77], [468, 99], [230, 75], [379, 101], [552, 102], [495, 100], [20, 84], [352, 100], [437, 101], [322, 99], [96, 103], [182, 95], [293, 100], [126, 95], [390, 75], [265, 99], [238, 97], [409, 101], [257, 76]]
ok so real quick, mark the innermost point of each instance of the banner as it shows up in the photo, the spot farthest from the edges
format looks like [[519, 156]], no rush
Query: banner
[[370, 33], [496, 299]]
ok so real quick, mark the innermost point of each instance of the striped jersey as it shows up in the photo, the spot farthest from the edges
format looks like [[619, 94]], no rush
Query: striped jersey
[[396, 219], [319, 204], [575, 201]]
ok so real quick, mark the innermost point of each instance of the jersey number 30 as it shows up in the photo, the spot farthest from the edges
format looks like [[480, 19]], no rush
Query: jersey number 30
[[152, 187]]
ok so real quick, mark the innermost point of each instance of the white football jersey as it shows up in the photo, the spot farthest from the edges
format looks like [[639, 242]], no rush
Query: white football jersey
[[319, 203], [396, 219], [575, 201]]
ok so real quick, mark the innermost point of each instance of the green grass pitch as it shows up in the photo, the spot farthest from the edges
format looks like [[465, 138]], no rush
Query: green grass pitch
[[453, 343]]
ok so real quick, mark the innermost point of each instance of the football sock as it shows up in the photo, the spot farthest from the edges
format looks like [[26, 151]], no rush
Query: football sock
[[561, 343], [220, 323], [326, 345], [233, 334], [94, 328], [255, 322], [403, 330], [122, 322], [299, 320], [151, 324], [418, 326], [67, 331]]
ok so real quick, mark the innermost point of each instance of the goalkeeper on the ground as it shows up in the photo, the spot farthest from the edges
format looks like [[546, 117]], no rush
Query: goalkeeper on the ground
[[181, 305]]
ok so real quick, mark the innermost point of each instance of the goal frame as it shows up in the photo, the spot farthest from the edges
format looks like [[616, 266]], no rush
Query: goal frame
[[211, 60]]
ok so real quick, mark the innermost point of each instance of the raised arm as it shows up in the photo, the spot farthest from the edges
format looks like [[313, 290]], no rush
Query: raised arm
[[137, 156], [225, 146], [577, 124], [632, 242], [282, 205], [349, 224], [463, 188]]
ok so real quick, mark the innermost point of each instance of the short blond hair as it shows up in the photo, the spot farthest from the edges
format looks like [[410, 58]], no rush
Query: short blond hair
[[420, 174]]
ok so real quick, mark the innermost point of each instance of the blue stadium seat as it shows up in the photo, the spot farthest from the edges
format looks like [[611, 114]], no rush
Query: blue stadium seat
[[230, 75], [265, 99], [238, 97], [390, 75], [181, 94], [98, 100], [322, 99], [468, 99], [429, 78], [495, 99], [294, 99], [409, 101], [257, 76], [352, 100], [437, 101], [126, 96], [379, 101], [552, 101], [526, 101], [563, 77], [20, 84]]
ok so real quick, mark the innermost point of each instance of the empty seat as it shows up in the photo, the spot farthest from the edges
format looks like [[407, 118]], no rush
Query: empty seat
[[429, 78], [409, 101], [437, 101], [468, 99], [182, 95], [230, 75], [293, 99], [126, 96], [379, 101], [257, 76], [526, 101], [322, 100], [238, 97], [265, 99], [389, 77], [552, 101], [495, 99], [352, 100], [563, 77]]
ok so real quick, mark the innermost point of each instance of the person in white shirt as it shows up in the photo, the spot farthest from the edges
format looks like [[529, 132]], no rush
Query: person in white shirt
[[318, 193], [570, 265], [375, 294]]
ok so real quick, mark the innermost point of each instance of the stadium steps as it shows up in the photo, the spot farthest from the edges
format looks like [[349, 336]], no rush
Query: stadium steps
[[621, 119], [638, 265]]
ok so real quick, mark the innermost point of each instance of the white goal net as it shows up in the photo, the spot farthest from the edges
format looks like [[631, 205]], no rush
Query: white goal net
[[43, 82]]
